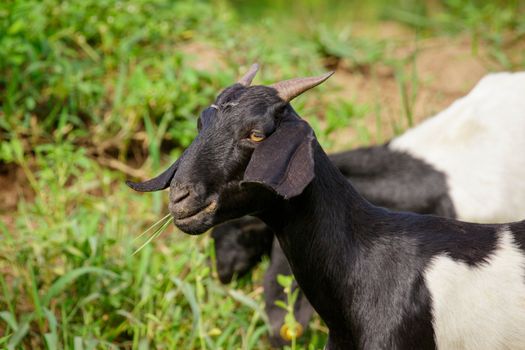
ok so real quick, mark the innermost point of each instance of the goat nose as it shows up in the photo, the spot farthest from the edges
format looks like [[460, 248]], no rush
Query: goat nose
[[178, 194]]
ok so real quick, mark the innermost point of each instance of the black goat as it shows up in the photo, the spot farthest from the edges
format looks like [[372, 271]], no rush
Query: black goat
[[403, 175], [379, 279], [240, 245], [385, 177]]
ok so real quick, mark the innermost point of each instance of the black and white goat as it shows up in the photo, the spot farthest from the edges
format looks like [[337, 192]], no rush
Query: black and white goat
[[413, 173], [379, 279]]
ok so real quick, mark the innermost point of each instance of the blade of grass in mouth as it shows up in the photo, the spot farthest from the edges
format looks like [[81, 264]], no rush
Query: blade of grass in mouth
[[160, 222], [155, 234]]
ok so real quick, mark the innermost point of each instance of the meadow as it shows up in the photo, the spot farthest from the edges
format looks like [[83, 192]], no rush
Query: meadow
[[96, 92]]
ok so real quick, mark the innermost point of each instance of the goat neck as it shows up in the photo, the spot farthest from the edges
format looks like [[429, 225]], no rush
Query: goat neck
[[317, 232]]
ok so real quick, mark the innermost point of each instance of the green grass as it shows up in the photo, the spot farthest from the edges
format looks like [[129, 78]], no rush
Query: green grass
[[93, 93]]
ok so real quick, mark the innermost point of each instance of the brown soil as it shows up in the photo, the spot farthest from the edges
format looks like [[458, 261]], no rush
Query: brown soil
[[9, 187], [205, 57], [445, 70], [13, 187]]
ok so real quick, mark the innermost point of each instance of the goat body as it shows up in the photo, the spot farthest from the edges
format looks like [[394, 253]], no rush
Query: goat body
[[379, 279], [427, 271], [387, 178], [434, 168]]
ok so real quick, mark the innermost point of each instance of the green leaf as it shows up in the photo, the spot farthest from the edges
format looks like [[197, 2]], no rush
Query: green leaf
[[16, 27], [281, 304], [284, 280], [10, 319], [61, 283], [51, 341], [20, 333], [189, 294], [78, 343], [4, 339]]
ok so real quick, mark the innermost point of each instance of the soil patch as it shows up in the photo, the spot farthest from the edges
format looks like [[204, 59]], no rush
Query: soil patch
[[13, 187], [445, 70], [205, 56]]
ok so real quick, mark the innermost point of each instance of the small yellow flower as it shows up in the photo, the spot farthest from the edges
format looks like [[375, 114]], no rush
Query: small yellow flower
[[288, 334], [214, 332]]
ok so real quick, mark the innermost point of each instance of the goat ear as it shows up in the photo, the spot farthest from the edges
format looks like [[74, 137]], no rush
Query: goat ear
[[158, 183], [284, 161]]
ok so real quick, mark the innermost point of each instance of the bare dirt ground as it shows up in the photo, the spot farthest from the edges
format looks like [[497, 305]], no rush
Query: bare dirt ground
[[445, 69], [13, 186], [205, 56]]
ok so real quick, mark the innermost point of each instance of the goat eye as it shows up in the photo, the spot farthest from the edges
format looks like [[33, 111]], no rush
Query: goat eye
[[256, 136]]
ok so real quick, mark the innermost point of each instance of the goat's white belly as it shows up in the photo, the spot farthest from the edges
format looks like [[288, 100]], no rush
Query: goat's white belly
[[483, 307]]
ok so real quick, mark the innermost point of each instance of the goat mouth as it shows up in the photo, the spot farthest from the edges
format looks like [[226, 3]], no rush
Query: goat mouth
[[197, 214]]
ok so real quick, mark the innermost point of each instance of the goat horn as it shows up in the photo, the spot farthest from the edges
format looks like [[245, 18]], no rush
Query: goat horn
[[290, 89], [246, 80]]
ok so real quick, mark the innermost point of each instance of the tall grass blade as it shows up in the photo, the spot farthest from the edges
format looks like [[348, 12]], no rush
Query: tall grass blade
[[10, 319], [78, 343], [61, 283], [36, 297], [7, 295], [189, 294], [19, 334], [4, 339], [51, 338]]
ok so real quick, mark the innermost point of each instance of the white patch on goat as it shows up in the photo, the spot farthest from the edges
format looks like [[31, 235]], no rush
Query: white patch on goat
[[478, 142], [482, 307]]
